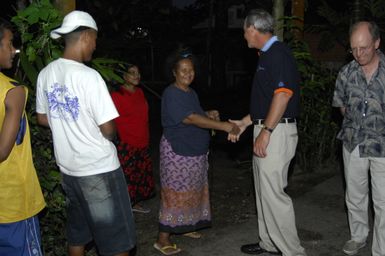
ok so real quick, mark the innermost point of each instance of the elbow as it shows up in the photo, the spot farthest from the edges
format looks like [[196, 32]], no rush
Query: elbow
[[108, 130], [109, 136], [3, 156]]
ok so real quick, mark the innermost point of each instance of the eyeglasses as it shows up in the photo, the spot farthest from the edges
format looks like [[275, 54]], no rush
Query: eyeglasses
[[356, 50]]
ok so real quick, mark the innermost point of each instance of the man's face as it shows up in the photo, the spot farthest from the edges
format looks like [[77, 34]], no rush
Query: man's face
[[252, 36], [362, 45], [248, 35], [7, 51]]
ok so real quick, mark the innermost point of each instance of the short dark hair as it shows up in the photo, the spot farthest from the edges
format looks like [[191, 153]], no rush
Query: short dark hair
[[74, 35], [4, 25]]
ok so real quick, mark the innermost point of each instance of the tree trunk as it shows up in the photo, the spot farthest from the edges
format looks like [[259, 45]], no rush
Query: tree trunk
[[209, 43], [356, 12], [278, 12], [219, 45], [21, 4], [65, 6], [298, 11]]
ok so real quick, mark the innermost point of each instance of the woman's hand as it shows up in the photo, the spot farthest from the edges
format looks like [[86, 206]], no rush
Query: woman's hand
[[241, 125], [234, 129]]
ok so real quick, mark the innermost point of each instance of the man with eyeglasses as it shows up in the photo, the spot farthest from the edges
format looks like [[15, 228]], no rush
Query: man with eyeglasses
[[360, 95]]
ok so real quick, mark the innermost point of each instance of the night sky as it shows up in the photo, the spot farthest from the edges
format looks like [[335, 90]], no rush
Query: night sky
[[7, 8]]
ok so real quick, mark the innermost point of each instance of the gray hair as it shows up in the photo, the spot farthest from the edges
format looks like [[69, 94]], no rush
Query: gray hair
[[373, 28], [261, 20]]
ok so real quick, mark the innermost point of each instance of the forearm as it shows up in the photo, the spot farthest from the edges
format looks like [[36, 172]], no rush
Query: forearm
[[246, 121], [207, 123], [277, 109], [42, 119]]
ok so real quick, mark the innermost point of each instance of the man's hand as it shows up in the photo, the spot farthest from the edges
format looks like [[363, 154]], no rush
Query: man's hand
[[235, 130], [261, 143], [242, 127]]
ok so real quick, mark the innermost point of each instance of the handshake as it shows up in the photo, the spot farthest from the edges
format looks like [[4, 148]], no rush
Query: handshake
[[238, 127], [234, 128]]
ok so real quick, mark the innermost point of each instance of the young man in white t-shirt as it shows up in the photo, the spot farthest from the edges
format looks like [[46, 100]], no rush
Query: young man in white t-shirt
[[73, 100]]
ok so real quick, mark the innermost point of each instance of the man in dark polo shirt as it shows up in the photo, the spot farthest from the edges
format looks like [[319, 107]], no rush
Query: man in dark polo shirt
[[273, 110]]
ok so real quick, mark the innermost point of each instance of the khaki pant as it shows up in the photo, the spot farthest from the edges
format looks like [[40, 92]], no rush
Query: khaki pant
[[357, 197], [276, 220]]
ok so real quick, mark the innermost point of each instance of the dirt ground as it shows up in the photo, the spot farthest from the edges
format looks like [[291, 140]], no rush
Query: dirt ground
[[232, 197], [231, 188]]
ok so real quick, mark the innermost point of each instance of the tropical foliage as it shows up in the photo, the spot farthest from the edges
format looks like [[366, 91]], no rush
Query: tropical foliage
[[336, 23], [317, 126]]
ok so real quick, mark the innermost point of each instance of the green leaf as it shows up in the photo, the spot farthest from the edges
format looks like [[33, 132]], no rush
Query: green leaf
[[28, 68]]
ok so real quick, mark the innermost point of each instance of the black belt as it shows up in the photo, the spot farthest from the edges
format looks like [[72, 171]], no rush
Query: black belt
[[286, 120]]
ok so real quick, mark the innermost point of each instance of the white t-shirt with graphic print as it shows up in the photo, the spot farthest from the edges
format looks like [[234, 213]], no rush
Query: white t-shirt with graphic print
[[76, 101]]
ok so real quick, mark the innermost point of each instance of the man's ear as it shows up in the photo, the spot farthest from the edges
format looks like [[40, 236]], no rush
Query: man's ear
[[84, 36], [377, 43]]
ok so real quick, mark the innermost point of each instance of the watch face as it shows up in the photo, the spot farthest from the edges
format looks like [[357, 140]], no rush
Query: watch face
[[267, 128]]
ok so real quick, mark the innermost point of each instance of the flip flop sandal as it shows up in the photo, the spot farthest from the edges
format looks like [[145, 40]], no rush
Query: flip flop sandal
[[167, 249], [195, 235]]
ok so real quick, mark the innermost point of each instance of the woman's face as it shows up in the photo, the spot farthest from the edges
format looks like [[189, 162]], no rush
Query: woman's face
[[184, 72], [132, 76]]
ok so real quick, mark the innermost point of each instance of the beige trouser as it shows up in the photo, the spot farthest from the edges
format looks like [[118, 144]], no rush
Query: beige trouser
[[276, 220], [357, 197]]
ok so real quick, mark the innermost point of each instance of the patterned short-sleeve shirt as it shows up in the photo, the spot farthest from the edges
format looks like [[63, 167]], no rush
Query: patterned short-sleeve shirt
[[364, 101]]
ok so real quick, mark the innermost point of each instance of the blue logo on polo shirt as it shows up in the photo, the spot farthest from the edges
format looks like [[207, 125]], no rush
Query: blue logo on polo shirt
[[281, 84]]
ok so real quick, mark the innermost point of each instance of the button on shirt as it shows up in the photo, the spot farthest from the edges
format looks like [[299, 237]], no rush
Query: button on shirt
[[364, 119]]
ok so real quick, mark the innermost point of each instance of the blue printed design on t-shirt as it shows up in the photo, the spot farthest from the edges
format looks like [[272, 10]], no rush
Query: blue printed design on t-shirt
[[21, 132], [281, 84], [62, 104]]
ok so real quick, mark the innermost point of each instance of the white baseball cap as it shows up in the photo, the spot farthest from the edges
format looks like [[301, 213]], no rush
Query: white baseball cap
[[72, 21]]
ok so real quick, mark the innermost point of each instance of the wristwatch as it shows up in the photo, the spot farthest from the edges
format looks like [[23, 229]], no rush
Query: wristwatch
[[267, 128]]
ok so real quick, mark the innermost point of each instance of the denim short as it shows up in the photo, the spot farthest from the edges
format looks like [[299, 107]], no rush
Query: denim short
[[99, 208]]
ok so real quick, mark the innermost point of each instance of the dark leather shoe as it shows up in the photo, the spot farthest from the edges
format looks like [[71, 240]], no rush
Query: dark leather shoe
[[256, 249]]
